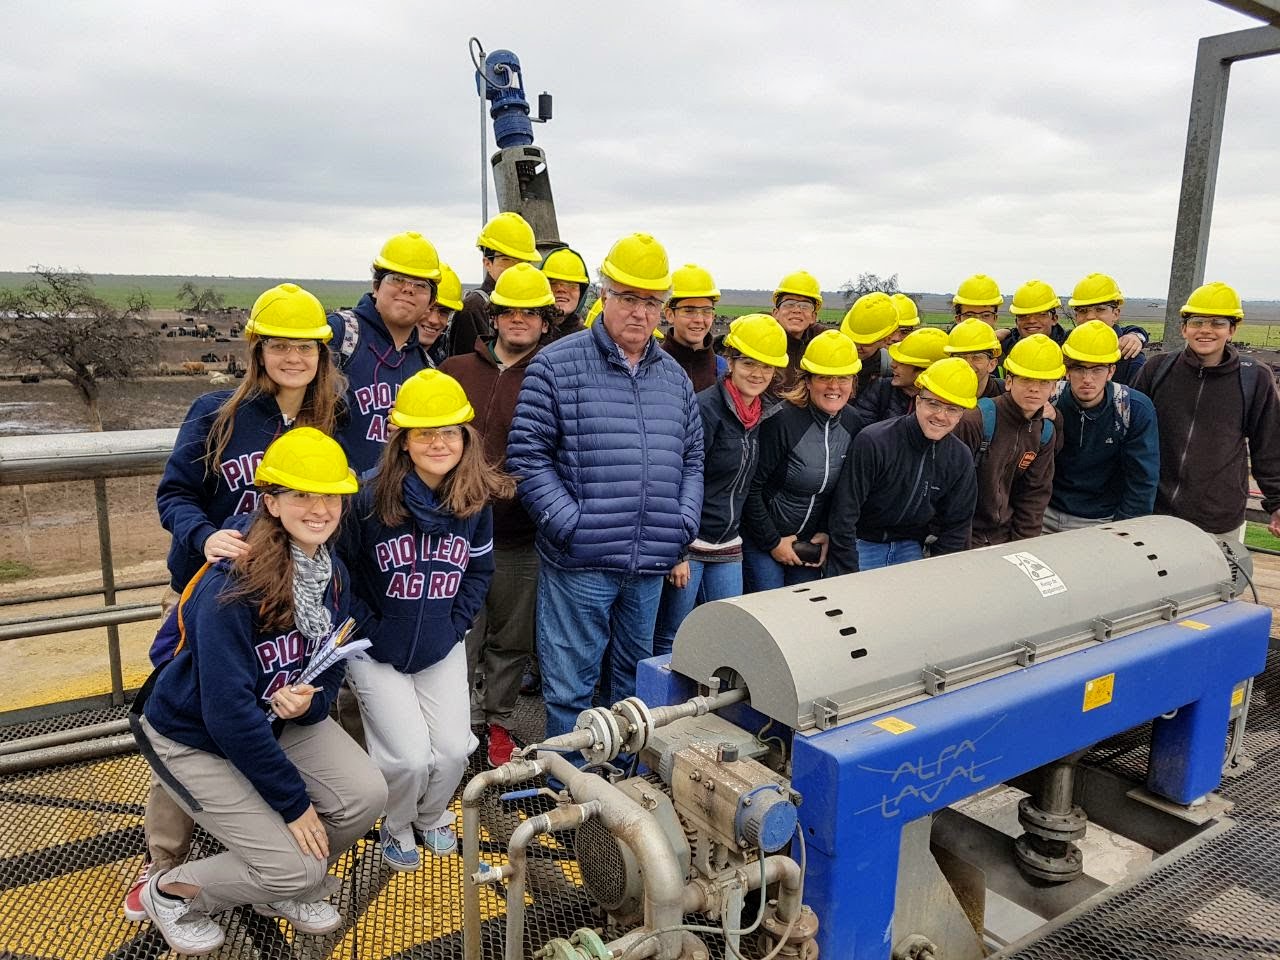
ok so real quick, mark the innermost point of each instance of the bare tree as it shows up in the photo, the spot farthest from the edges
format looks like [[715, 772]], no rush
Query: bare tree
[[58, 323], [868, 283], [194, 300]]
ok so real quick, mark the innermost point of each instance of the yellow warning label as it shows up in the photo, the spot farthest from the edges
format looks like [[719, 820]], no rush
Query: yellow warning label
[[1237, 696], [1098, 691], [1193, 624], [893, 725]]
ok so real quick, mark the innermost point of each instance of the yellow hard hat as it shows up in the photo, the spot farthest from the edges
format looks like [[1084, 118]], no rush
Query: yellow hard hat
[[920, 347], [908, 312], [638, 260], [760, 337], [972, 335], [449, 295], [1214, 300], [978, 291], [1034, 296], [305, 459], [802, 283], [565, 264], [431, 399], [1092, 342], [523, 287], [510, 234], [831, 354], [872, 317], [288, 311], [410, 254], [952, 380], [1095, 288], [692, 281], [598, 306], [1036, 357]]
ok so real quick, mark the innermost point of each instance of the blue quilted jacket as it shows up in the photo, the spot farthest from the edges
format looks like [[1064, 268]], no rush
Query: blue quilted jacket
[[609, 459]]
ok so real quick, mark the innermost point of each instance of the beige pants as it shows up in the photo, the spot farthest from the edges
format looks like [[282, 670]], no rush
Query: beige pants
[[262, 861]]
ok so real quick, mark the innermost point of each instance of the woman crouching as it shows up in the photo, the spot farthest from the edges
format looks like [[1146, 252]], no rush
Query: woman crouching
[[419, 541], [285, 796]]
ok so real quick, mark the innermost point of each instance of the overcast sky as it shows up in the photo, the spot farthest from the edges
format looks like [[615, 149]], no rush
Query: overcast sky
[[932, 139]]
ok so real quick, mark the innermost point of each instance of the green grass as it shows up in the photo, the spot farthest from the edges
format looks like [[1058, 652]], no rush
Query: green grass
[[14, 570], [236, 291], [1257, 535]]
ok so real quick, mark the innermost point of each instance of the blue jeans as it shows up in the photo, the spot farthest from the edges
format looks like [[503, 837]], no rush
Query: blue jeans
[[873, 556], [582, 615], [761, 572], [707, 581]]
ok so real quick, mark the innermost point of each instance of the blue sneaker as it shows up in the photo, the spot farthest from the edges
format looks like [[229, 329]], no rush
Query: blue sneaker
[[441, 841], [395, 856]]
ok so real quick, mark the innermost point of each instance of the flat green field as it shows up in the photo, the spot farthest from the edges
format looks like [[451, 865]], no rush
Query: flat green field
[[236, 291]]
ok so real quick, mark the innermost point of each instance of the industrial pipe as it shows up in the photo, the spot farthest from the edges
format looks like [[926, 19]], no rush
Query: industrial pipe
[[514, 771], [561, 818], [67, 753], [73, 735], [637, 827]]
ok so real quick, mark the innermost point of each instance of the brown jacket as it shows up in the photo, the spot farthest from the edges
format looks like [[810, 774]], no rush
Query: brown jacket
[[493, 394], [700, 365], [1015, 476]]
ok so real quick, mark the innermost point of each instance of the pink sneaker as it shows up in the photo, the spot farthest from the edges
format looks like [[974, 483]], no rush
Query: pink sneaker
[[133, 899]]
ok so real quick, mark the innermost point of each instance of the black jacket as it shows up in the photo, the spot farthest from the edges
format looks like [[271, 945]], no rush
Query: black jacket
[[801, 452], [899, 485], [881, 401], [1211, 434], [729, 455]]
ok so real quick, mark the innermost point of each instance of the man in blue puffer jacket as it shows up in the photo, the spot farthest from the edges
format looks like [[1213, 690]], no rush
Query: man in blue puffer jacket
[[607, 447]]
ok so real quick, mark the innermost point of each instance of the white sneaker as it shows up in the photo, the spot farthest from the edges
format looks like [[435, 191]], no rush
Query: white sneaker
[[318, 916], [184, 928]]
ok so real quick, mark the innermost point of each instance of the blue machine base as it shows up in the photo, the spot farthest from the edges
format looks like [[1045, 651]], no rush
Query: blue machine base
[[863, 782]]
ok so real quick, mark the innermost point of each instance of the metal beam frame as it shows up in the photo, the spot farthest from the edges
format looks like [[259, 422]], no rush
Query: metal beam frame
[[1204, 143]]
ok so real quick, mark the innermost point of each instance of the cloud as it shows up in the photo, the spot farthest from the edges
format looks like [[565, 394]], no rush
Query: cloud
[[930, 139]]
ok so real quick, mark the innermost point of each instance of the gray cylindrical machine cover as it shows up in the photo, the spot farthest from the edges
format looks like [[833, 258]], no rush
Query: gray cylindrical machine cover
[[852, 638]]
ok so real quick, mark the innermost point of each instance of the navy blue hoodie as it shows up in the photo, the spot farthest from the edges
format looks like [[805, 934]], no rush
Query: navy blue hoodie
[[424, 580], [193, 500], [375, 369], [215, 694]]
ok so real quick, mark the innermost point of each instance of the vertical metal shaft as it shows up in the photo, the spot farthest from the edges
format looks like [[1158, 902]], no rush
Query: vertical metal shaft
[[108, 586]]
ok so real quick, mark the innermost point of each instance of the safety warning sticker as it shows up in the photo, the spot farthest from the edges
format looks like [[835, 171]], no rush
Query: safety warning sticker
[[1038, 572], [893, 725]]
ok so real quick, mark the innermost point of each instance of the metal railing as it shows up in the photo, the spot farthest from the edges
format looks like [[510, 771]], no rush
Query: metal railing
[[87, 456]]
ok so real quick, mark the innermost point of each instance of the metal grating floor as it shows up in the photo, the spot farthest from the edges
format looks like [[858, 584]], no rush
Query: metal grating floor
[[71, 841], [1222, 898]]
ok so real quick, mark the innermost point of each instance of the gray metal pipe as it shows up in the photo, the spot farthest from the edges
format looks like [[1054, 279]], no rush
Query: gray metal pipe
[[70, 614], [84, 456], [67, 753], [86, 621], [515, 771], [638, 828], [73, 735], [83, 592], [561, 818], [699, 895]]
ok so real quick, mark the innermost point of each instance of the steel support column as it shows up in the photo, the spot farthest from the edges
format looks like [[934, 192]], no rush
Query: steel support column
[[1200, 163]]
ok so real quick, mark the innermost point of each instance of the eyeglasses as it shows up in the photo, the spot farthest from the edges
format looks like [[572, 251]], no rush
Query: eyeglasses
[[629, 301], [693, 313], [749, 364], [1088, 373], [415, 286], [798, 306], [1213, 323], [282, 348], [935, 406], [519, 313], [427, 435], [988, 315], [819, 378], [1096, 308], [307, 500]]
